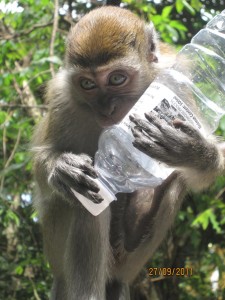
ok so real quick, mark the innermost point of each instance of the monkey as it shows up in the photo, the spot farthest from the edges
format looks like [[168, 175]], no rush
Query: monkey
[[111, 57]]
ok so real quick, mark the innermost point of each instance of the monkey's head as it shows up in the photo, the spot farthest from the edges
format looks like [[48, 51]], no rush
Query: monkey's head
[[111, 58]]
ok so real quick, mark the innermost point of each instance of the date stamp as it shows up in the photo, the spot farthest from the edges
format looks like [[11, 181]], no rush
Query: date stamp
[[184, 272]]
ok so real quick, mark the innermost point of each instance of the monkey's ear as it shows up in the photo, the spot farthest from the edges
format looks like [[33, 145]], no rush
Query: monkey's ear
[[152, 40]]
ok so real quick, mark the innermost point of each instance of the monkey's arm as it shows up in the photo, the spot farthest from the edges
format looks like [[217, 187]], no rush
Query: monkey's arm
[[181, 146], [150, 213]]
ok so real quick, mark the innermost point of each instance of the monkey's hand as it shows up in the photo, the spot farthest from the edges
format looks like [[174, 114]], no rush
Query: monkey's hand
[[181, 146], [76, 172]]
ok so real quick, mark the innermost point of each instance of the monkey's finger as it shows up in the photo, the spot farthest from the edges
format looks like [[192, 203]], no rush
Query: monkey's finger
[[155, 119], [157, 122], [89, 170], [87, 158], [96, 198], [74, 160], [76, 179], [170, 130], [86, 182], [82, 162], [144, 125], [141, 122], [150, 148], [154, 134], [88, 194], [136, 131], [187, 128], [161, 124], [137, 120], [156, 151], [147, 130], [61, 187], [141, 134]]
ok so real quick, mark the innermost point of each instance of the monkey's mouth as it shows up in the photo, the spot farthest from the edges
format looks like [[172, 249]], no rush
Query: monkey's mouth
[[105, 121]]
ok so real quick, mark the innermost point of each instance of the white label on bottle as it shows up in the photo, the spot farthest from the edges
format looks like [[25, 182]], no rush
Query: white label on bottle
[[164, 103]]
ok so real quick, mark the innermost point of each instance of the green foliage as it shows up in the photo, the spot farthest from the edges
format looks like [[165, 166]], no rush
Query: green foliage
[[183, 4], [168, 19], [23, 270], [197, 240], [197, 243]]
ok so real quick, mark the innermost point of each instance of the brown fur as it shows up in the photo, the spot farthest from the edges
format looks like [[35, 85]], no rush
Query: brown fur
[[117, 33]]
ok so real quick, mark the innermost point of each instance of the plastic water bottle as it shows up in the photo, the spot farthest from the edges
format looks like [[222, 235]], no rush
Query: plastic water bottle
[[197, 86]]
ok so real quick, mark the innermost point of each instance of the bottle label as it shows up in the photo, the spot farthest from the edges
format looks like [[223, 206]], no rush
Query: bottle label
[[165, 104]]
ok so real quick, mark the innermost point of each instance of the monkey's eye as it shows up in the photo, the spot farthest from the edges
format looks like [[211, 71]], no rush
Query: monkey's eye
[[117, 79], [87, 84]]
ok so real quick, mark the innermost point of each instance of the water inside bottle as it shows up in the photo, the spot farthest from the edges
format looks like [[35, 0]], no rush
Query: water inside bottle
[[117, 163]]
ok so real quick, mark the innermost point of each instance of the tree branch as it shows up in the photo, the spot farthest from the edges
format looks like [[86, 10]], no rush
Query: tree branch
[[10, 158], [24, 32], [54, 30], [13, 106]]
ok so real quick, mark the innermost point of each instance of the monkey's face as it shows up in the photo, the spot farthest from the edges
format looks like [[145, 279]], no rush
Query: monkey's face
[[112, 54], [111, 91]]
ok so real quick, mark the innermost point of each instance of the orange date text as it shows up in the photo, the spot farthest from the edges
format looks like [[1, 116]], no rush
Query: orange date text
[[153, 272]]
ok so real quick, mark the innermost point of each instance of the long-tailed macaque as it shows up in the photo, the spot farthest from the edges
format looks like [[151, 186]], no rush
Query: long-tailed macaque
[[111, 58]]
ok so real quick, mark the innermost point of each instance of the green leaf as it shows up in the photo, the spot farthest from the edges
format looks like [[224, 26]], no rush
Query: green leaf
[[167, 10], [188, 7], [19, 270], [179, 6], [34, 215], [196, 4], [173, 33], [202, 219], [206, 217], [178, 25], [3, 116], [215, 224], [13, 217]]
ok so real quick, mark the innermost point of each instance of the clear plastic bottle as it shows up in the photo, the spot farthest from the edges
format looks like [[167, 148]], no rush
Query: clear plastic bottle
[[173, 94]]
